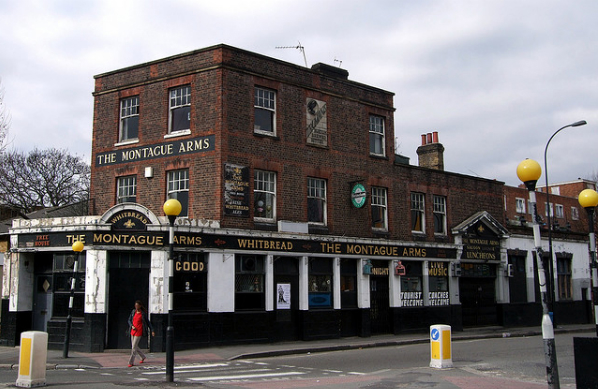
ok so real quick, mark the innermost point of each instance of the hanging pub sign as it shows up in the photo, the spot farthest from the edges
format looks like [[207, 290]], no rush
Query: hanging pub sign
[[480, 243], [358, 195], [236, 190]]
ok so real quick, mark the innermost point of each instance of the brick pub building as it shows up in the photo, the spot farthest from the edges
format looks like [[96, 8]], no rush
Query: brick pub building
[[299, 220]]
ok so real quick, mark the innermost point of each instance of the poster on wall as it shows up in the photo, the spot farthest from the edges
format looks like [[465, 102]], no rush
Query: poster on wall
[[283, 296], [317, 127], [236, 190]]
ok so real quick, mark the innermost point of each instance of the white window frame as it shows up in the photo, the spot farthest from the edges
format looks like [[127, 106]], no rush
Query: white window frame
[[177, 98], [317, 192], [265, 182], [439, 209], [377, 135], [574, 213], [178, 182], [418, 204], [129, 108], [520, 205], [379, 200], [546, 210], [126, 187], [559, 211], [265, 99]]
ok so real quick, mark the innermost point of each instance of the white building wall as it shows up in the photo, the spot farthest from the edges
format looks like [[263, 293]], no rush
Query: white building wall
[[158, 293], [96, 276], [580, 262], [221, 282]]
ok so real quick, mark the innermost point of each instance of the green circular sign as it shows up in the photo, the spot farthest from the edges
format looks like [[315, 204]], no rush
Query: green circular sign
[[358, 195]]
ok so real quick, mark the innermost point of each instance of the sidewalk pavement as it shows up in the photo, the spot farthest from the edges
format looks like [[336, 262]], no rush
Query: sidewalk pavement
[[9, 356]]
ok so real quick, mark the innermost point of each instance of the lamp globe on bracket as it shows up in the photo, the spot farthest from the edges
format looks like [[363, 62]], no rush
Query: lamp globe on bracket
[[588, 198], [78, 246], [172, 207], [529, 171]]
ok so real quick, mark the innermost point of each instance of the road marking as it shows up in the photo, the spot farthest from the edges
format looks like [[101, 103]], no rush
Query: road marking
[[246, 376]]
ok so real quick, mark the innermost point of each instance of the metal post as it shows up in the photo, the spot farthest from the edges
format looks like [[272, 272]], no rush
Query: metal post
[[552, 371], [593, 265], [170, 327], [69, 318], [551, 291]]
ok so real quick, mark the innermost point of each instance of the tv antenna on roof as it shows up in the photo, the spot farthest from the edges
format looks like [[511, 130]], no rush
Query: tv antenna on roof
[[301, 48]]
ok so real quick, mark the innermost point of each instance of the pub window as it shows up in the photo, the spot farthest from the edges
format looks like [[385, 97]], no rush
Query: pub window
[[178, 188], [126, 189], [379, 212], [63, 265], [249, 282], [439, 215], [417, 212], [438, 283], [190, 282], [129, 119], [564, 278], [179, 108], [320, 283], [264, 193], [348, 283], [411, 284], [264, 111]]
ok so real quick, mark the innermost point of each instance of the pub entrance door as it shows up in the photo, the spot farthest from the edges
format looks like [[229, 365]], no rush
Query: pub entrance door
[[286, 298], [128, 281], [380, 318]]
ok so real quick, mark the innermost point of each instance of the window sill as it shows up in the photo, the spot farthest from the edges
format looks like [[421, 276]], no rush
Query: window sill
[[265, 134], [417, 235], [177, 134], [127, 142], [379, 156]]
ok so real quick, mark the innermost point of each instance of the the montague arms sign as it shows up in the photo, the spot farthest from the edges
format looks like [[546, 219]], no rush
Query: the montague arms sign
[[167, 149]]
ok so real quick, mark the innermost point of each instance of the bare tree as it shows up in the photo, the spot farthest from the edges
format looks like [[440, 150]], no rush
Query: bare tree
[[41, 179], [4, 119]]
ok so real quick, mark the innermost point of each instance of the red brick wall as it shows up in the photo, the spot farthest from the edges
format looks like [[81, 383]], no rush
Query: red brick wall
[[223, 80]]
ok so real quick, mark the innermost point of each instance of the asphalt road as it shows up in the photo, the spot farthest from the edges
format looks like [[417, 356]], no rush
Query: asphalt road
[[496, 363]]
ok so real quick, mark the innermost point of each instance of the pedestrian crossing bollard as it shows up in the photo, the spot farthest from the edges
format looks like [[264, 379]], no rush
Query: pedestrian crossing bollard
[[32, 359], [440, 346]]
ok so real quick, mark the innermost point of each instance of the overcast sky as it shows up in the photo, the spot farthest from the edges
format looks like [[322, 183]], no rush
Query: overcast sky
[[495, 78]]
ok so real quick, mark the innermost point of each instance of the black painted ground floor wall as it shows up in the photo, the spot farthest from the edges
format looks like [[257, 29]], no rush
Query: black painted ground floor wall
[[201, 329]]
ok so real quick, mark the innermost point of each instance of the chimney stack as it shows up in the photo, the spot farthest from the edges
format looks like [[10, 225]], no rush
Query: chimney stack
[[431, 153]]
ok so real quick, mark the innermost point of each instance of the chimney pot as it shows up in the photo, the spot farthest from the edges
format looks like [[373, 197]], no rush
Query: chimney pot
[[423, 139], [435, 137], [429, 140]]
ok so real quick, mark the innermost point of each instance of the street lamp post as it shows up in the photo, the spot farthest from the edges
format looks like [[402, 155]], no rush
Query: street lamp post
[[588, 198], [77, 248], [551, 290], [529, 171], [172, 208]]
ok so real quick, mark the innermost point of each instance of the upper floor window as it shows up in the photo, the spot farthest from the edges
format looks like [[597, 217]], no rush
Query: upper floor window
[[417, 212], [264, 195], [129, 118], [179, 107], [316, 200], [264, 111], [178, 188], [440, 215], [379, 209], [547, 208], [559, 211], [126, 189], [519, 205], [574, 213], [377, 135]]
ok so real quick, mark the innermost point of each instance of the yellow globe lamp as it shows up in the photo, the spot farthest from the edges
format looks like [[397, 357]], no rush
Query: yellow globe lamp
[[172, 207], [529, 171], [78, 246], [588, 198]]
